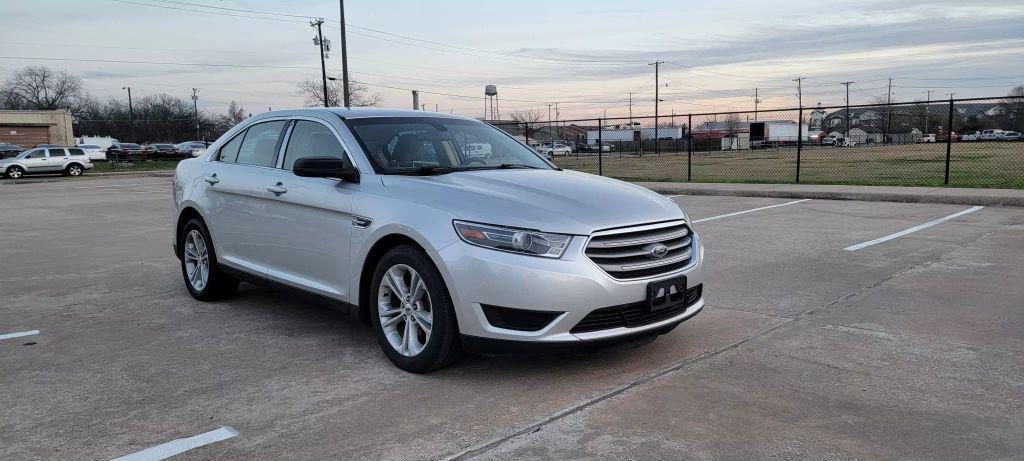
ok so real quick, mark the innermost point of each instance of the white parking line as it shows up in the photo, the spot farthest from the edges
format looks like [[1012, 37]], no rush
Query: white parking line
[[19, 334], [749, 211], [912, 229], [175, 447]]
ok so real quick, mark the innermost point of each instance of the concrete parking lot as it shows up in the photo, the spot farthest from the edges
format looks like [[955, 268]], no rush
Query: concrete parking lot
[[908, 348]]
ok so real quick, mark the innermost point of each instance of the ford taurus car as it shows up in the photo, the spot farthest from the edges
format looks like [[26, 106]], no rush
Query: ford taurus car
[[385, 214]]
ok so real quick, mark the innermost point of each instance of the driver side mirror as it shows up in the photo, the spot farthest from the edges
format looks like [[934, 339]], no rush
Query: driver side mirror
[[325, 167]]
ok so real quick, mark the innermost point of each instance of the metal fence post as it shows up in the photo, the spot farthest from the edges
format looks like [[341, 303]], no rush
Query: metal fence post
[[799, 139], [526, 131], [949, 140], [600, 147], [689, 147]]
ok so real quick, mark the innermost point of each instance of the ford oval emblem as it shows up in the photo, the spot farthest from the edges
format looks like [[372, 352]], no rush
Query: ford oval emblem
[[657, 251]]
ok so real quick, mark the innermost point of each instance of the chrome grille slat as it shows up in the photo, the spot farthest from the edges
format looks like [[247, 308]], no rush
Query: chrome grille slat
[[626, 253]]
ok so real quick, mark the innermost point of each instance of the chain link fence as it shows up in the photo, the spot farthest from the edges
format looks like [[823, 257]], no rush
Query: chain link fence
[[966, 142]]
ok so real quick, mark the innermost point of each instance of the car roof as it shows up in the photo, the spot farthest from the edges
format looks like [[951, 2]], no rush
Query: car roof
[[356, 113]]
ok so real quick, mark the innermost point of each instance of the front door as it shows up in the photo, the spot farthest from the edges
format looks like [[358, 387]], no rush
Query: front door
[[35, 161], [309, 221]]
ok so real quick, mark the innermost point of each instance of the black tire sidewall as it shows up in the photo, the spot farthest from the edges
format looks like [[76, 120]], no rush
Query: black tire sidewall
[[443, 343], [14, 168], [218, 285], [71, 167]]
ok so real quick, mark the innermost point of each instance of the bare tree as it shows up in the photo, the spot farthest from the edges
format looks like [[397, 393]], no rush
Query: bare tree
[[42, 88], [236, 113], [312, 92], [526, 116]]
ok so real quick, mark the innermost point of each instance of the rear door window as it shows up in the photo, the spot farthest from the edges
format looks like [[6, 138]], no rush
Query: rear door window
[[75, 151], [261, 144]]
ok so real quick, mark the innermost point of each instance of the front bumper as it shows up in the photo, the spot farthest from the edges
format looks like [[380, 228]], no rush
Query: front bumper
[[572, 285]]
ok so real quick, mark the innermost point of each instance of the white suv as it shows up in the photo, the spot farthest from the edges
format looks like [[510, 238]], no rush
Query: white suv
[[383, 213], [70, 161]]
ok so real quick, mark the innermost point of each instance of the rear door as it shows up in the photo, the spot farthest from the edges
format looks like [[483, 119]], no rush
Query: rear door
[[57, 158], [235, 183], [309, 220]]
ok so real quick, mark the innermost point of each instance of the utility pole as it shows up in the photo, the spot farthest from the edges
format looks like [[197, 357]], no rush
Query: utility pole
[[846, 124], [631, 109], [416, 100], [888, 111], [927, 109], [195, 108], [657, 67], [756, 101], [319, 41], [131, 112], [344, 58]]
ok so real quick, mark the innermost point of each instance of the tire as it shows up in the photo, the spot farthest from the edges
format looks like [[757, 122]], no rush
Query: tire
[[431, 307], [74, 169], [205, 282], [15, 172]]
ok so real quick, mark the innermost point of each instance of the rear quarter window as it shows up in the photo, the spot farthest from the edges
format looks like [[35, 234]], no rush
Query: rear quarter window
[[76, 151]]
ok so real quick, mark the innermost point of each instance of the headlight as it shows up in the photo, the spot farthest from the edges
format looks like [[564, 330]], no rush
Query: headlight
[[513, 240]]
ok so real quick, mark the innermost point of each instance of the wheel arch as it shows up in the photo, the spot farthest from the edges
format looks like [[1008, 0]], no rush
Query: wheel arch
[[187, 213]]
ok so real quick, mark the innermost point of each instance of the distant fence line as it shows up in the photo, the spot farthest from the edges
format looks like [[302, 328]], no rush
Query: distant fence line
[[969, 142]]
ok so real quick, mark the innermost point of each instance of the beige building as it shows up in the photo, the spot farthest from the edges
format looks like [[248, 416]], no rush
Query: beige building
[[28, 128]]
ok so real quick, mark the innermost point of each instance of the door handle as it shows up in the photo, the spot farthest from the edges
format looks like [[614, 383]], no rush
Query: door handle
[[277, 189], [212, 179]]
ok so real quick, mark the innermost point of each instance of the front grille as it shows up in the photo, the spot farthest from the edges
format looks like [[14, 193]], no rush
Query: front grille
[[633, 314], [627, 253]]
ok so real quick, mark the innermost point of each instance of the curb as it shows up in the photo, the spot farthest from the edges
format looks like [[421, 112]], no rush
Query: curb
[[950, 199]]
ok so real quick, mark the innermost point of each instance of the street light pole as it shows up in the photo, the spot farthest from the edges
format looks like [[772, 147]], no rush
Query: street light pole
[[131, 112]]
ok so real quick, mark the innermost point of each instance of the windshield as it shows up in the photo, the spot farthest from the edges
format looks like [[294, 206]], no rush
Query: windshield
[[398, 145]]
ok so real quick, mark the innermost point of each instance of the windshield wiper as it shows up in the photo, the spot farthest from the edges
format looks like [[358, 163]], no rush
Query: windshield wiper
[[509, 166], [426, 170]]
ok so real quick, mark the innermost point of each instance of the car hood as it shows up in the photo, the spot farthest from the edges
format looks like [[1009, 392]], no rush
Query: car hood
[[552, 201]]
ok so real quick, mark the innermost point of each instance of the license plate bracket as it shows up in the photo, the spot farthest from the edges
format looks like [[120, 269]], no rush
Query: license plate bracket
[[666, 294]]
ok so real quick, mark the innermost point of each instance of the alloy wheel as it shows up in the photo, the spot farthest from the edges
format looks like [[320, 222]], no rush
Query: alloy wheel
[[14, 173], [197, 260], [74, 170], [404, 309]]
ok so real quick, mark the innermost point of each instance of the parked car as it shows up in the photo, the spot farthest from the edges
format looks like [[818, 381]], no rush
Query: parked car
[[971, 136], [838, 141], [477, 149], [594, 148], [926, 138], [70, 161], [991, 135], [164, 152], [1011, 136], [125, 152], [381, 213], [191, 148], [554, 149], [95, 152], [9, 150]]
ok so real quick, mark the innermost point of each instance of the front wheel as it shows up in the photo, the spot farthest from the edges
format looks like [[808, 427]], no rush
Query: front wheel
[[203, 278], [412, 312], [15, 172]]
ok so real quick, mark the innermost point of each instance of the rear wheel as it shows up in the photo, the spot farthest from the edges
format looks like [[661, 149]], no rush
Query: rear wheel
[[203, 277], [15, 172], [412, 312], [74, 169]]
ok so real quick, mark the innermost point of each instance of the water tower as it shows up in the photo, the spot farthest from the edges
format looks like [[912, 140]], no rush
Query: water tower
[[491, 103]]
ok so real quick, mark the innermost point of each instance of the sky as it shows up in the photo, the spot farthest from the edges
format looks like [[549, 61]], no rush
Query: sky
[[586, 56]]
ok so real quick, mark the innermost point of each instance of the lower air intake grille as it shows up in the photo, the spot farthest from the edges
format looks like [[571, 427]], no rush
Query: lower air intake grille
[[633, 314]]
